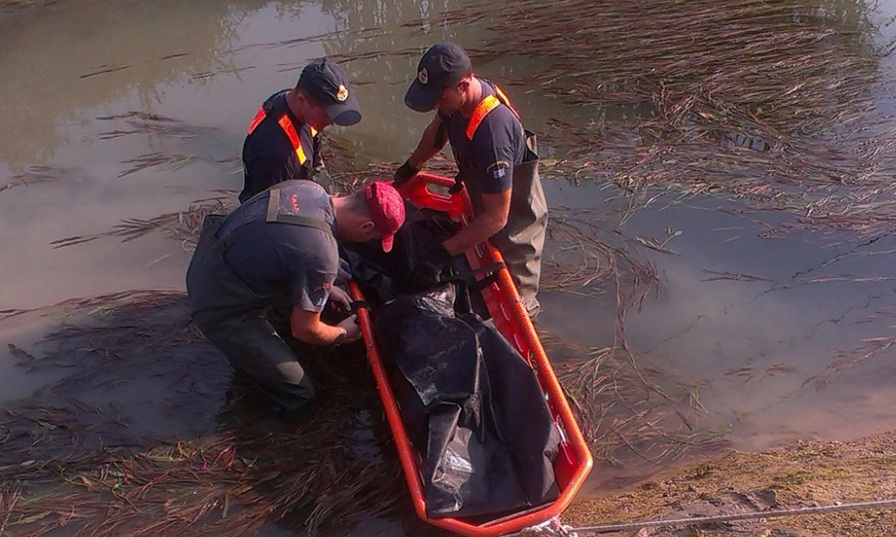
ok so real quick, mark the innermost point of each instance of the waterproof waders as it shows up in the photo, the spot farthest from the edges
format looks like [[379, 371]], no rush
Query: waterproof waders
[[521, 241], [236, 319]]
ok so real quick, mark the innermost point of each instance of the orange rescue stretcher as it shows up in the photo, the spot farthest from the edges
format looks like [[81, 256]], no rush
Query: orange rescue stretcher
[[573, 463]]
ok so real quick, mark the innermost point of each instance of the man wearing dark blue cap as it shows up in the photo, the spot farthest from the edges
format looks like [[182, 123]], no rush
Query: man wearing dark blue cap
[[496, 158], [283, 139]]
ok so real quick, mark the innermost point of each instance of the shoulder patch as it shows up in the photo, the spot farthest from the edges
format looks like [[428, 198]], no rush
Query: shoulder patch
[[320, 294], [498, 170]]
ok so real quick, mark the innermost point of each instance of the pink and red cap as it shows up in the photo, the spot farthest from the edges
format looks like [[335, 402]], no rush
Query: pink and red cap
[[386, 208]]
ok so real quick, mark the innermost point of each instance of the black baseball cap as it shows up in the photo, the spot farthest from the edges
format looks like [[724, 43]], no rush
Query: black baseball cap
[[326, 82], [442, 65]]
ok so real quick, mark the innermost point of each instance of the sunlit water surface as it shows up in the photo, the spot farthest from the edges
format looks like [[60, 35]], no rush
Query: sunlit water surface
[[128, 110]]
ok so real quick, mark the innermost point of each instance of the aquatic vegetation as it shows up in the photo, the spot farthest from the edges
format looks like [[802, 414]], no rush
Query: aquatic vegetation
[[84, 438], [775, 103], [38, 174], [183, 226]]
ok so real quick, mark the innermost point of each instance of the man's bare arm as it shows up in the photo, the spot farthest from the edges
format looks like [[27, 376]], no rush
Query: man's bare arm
[[495, 211], [306, 326]]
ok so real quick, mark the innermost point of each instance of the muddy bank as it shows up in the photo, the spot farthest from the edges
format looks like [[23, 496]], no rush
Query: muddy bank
[[801, 475]]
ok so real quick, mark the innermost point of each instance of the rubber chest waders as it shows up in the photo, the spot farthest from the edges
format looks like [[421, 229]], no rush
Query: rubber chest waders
[[236, 319]]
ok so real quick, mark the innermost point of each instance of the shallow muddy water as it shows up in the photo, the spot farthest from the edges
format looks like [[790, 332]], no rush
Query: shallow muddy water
[[129, 110]]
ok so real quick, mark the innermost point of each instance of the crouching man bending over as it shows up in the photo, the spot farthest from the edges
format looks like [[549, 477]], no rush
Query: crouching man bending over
[[276, 255]]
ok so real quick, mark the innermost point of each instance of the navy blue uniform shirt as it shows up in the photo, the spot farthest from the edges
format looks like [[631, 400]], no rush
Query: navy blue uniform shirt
[[268, 155], [498, 145], [292, 263]]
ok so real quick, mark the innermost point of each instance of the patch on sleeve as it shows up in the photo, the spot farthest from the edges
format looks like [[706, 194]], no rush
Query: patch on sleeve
[[498, 170], [318, 296]]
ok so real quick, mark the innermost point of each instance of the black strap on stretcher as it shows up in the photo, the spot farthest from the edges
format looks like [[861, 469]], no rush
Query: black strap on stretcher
[[468, 277]]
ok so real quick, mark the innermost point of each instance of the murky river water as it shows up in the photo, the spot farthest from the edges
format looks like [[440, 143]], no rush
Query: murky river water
[[128, 110]]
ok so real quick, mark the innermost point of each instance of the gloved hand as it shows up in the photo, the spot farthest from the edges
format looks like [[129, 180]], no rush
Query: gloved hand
[[404, 173], [340, 298], [352, 330]]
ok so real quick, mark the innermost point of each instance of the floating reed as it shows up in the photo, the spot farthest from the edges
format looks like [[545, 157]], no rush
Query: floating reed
[[183, 226], [152, 124], [37, 174], [72, 443], [769, 101]]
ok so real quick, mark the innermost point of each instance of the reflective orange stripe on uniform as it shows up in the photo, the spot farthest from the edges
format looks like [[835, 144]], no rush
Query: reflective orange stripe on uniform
[[288, 129], [256, 120], [505, 101], [484, 107]]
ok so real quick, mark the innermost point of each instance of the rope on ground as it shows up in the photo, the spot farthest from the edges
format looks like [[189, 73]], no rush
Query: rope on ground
[[554, 527]]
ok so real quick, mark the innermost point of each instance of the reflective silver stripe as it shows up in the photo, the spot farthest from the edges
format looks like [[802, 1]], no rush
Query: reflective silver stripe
[[273, 205]]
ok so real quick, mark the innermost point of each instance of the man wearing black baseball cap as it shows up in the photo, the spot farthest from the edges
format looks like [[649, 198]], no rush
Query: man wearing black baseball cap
[[283, 139], [496, 158]]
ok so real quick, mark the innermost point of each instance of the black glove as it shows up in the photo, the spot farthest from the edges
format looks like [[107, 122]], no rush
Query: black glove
[[404, 173], [441, 137]]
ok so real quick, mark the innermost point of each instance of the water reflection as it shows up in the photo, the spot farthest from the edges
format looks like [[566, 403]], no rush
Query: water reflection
[[68, 61], [129, 109], [771, 340]]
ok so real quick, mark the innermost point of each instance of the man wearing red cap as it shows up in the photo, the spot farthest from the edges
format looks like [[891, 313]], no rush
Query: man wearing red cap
[[496, 159], [283, 140], [276, 256]]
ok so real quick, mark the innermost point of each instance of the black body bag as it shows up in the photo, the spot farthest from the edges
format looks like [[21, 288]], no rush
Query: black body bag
[[471, 405]]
